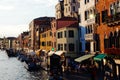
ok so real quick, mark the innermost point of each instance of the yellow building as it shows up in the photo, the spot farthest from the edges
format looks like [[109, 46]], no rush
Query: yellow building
[[46, 40]]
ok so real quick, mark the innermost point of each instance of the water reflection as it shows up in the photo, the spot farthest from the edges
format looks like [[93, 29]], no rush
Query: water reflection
[[12, 69]]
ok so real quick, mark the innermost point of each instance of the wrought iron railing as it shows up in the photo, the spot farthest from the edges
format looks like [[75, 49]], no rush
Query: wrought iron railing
[[113, 19]]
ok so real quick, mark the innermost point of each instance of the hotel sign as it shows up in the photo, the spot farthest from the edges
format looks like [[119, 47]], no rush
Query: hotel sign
[[89, 36]]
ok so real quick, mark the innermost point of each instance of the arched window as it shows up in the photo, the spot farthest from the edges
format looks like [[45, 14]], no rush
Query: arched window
[[111, 40], [115, 39], [118, 39], [106, 41]]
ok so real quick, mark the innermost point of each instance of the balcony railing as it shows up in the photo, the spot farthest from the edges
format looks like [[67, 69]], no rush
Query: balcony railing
[[89, 36], [113, 20]]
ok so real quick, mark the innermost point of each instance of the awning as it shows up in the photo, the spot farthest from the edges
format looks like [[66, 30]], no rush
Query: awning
[[72, 55], [38, 52], [51, 53], [82, 58], [44, 50], [99, 57], [117, 61], [59, 53]]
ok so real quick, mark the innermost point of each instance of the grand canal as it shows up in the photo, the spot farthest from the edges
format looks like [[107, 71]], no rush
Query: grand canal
[[13, 69]]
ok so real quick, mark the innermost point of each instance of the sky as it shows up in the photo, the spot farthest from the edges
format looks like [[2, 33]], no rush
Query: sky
[[15, 15]]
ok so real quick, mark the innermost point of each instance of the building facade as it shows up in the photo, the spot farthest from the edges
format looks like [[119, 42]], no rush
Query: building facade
[[31, 35], [59, 9], [67, 36], [53, 29], [36, 27], [67, 8], [46, 40], [10, 42], [108, 23], [87, 25], [71, 8], [25, 41]]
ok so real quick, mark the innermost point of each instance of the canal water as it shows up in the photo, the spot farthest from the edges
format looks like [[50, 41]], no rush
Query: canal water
[[13, 69]]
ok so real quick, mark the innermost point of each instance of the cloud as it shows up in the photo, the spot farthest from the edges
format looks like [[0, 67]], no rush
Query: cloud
[[52, 2], [12, 30], [46, 2], [8, 8], [15, 12]]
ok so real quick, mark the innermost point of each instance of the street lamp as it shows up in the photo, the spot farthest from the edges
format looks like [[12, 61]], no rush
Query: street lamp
[[91, 16]]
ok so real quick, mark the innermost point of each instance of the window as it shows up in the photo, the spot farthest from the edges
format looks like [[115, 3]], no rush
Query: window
[[86, 30], [58, 35], [47, 43], [61, 46], [104, 15], [90, 28], [71, 33], [54, 34], [85, 15], [80, 32], [66, 10], [96, 1], [54, 25], [88, 14], [69, 8], [65, 34], [73, 1], [73, 8], [43, 44], [85, 1], [61, 35], [52, 44], [50, 33], [55, 44], [65, 47], [112, 9], [79, 18], [71, 47], [58, 46], [97, 18]]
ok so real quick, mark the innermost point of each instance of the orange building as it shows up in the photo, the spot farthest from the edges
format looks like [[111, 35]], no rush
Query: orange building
[[53, 28], [46, 39], [108, 24]]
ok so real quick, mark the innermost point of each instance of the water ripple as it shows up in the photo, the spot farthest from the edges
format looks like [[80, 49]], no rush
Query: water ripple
[[12, 69]]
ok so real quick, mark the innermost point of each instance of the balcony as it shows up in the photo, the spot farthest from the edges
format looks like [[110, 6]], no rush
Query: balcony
[[89, 36], [113, 20]]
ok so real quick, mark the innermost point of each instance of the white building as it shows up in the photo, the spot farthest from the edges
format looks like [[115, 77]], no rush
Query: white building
[[71, 8], [87, 25], [67, 8], [67, 36]]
